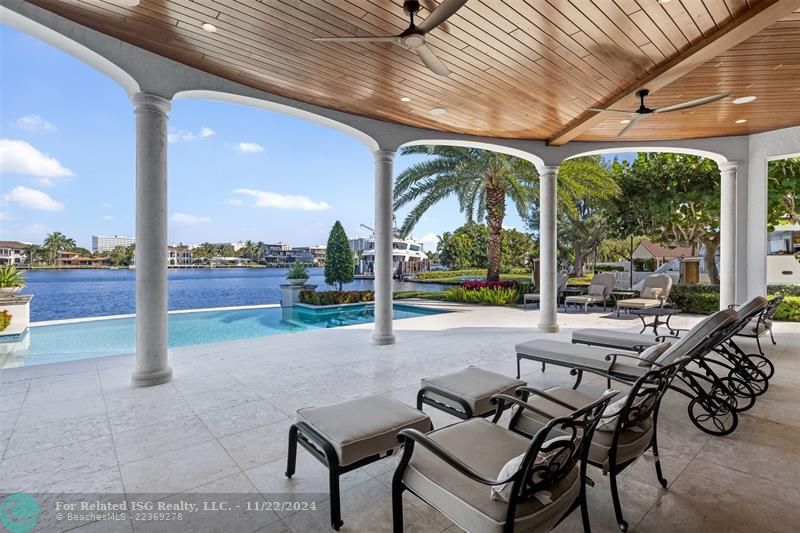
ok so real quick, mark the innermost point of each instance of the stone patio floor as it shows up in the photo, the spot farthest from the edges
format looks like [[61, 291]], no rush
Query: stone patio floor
[[76, 429]]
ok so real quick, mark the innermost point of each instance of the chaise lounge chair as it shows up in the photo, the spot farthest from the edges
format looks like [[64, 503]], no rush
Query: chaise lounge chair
[[715, 400], [488, 479], [655, 293], [599, 292], [761, 324], [561, 284]]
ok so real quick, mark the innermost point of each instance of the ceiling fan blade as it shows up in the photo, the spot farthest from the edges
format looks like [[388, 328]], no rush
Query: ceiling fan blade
[[431, 60], [430, 5], [693, 103], [636, 118], [445, 10], [610, 110], [376, 39]]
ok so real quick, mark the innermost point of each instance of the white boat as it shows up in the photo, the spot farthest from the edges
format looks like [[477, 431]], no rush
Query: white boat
[[408, 257]]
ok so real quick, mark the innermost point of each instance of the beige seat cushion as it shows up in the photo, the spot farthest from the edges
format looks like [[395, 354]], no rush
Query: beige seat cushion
[[475, 385], [485, 447], [532, 297], [584, 299], [631, 443], [608, 337], [364, 426], [575, 355], [639, 303]]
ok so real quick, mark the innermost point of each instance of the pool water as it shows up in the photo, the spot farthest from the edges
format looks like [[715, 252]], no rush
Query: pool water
[[99, 338]]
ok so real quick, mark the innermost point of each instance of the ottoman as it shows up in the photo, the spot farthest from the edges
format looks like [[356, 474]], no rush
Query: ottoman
[[467, 393], [348, 435]]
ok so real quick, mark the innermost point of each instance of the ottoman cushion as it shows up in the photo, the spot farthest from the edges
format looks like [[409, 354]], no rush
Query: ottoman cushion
[[474, 385], [365, 426]]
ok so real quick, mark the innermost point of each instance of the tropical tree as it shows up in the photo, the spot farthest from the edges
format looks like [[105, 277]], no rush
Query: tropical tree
[[482, 181], [204, 253], [466, 247], [122, 255], [339, 265], [57, 242], [32, 253], [783, 177]]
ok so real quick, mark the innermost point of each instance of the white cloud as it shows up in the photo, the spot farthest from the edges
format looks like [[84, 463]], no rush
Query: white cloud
[[107, 205], [34, 123], [108, 217], [33, 199], [430, 241], [233, 201], [20, 157], [183, 218], [187, 136], [283, 201], [249, 148], [6, 216]]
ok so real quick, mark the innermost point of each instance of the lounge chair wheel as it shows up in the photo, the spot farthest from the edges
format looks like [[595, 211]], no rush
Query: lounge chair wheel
[[713, 416], [623, 526], [763, 364], [753, 376], [736, 392]]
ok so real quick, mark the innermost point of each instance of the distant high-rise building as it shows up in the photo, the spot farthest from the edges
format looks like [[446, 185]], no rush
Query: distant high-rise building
[[359, 244], [102, 243]]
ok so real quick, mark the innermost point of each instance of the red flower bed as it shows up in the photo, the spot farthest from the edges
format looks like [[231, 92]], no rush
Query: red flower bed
[[478, 285]]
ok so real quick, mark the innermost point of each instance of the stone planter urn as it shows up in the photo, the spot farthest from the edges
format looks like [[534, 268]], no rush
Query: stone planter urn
[[297, 282]]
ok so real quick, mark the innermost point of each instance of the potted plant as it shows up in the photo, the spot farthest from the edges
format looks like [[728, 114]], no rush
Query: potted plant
[[297, 274], [11, 280]]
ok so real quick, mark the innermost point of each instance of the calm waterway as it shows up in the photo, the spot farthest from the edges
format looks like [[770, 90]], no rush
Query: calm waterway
[[60, 294]]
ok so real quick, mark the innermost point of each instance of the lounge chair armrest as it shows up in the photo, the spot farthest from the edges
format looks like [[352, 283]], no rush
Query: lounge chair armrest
[[502, 399], [548, 397], [411, 436], [608, 376], [614, 356]]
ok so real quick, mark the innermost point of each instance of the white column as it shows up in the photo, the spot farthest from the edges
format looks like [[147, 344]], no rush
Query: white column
[[757, 226], [384, 235], [727, 234], [548, 316], [152, 364]]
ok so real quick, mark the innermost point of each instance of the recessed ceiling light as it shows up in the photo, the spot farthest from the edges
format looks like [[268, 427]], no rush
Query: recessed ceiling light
[[664, 1], [209, 27], [127, 3], [437, 111], [626, 121], [405, 99], [741, 121], [744, 99]]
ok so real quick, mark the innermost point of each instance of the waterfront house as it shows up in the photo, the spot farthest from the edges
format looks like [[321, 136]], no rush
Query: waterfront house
[[12, 252], [179, 255]]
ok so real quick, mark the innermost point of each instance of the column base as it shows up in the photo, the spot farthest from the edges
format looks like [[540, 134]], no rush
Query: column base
[[545, 328], [382, 340], [148, 379]]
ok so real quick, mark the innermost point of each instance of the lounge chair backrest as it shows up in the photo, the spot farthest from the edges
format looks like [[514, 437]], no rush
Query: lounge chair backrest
[[752, 307], [689, 344], [658, 281], [606, 279], [561, 282]]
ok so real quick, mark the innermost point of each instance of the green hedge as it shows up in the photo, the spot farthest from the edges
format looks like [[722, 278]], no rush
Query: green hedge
[[336, 297], [429, 295], [485, 295], [704, 300]]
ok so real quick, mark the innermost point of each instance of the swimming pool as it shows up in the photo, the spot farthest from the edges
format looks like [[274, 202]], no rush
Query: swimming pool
[[99, 338]]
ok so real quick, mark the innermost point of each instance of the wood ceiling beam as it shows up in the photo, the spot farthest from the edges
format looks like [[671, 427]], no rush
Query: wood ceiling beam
[[743, 27]]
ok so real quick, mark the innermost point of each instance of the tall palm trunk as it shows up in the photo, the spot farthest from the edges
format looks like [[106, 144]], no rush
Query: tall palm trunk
[[495, 212]]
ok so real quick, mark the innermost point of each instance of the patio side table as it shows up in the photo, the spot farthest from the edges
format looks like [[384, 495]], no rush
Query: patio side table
[[657, 313]]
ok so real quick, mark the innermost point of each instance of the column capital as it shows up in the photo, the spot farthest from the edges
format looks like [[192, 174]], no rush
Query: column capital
[[151, 102], [548, 170], [386, 156], [728, 166]]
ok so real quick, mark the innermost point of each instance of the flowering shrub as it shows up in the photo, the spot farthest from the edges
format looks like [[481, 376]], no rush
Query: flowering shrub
[[478, 285], [336, 297]]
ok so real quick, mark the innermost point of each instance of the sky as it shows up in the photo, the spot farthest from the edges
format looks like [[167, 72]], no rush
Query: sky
[[67, 163]]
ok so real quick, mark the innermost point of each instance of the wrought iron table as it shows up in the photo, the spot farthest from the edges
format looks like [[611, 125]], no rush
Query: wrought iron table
[[657, 313]]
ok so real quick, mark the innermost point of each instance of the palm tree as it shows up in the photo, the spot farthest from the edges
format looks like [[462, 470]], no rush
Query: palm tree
[[482, 180], [57, 242], [32, 252]]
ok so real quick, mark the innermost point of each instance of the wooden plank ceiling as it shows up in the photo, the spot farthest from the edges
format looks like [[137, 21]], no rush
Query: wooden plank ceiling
[[519, 68]]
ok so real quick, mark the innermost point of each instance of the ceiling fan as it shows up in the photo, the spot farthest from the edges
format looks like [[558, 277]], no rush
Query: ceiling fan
[[413, 38], [644, 111]]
